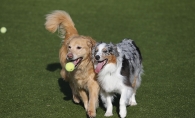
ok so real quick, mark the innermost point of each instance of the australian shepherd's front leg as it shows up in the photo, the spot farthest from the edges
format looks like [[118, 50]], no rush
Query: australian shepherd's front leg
[[122, 103], [107, 100]]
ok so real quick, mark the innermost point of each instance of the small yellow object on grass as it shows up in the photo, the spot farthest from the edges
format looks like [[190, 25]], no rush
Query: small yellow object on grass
[[3, 30], [69, 66]]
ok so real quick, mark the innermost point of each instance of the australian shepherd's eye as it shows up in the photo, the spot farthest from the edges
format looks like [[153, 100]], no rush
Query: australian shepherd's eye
[[105, 51], [78, 47]]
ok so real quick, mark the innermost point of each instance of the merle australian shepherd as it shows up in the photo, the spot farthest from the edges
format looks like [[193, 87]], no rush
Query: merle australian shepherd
[[119, 68]]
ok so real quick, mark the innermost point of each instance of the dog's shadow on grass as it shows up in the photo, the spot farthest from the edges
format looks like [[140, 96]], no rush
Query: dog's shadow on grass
[[64, 86], [66, 90], [53, 67]]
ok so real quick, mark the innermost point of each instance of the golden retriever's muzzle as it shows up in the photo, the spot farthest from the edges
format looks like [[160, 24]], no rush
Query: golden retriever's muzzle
[[69, 56]]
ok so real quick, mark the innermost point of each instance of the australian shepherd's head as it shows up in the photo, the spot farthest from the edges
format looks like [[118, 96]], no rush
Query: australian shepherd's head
[[104, 54]]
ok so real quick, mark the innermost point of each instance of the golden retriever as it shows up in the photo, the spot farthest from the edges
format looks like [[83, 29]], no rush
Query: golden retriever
[[77, 49]]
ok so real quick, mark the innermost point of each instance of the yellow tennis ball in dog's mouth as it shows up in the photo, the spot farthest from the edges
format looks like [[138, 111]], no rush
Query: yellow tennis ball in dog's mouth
[[69, 66]]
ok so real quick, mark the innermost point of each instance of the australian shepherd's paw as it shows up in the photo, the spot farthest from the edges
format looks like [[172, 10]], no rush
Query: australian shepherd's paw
[[108, 114], [123, 114], [132, 103]]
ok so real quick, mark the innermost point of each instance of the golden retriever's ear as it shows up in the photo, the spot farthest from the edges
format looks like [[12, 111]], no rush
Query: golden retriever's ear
[[91, 43], [65, 42]]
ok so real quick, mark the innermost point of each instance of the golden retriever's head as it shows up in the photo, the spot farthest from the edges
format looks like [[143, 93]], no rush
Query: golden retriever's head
[[79, 49]]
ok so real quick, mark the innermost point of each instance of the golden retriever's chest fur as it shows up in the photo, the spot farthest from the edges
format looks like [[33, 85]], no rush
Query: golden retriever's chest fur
[[81, 76], [79, 79]]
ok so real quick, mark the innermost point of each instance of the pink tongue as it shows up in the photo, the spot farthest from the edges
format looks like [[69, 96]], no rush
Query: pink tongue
[[76, 61], [99, 67]]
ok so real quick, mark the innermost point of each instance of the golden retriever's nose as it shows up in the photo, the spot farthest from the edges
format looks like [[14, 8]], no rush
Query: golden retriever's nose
[[70, 55]]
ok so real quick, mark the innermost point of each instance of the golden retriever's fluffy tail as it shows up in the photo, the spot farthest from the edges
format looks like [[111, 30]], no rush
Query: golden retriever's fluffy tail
[[61, 21]]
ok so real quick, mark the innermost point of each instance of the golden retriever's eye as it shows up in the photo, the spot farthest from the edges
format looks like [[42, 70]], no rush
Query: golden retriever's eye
[[78, 47], [69, 47]]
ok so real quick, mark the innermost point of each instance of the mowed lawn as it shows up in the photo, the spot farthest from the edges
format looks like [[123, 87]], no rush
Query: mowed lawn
[[164, 30]]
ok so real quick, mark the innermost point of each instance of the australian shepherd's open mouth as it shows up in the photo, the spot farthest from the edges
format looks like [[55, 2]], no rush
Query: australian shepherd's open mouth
[[100, 65], [77, 61]]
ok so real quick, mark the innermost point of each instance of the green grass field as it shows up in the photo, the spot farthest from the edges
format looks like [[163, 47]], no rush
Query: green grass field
[[30, 83]]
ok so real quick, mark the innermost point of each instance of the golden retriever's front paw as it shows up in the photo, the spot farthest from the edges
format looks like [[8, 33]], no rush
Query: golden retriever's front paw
[[91, 113]]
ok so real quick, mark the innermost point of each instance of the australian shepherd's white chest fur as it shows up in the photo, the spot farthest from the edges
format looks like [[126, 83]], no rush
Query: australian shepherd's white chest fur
[[119, 69], [110, 79]]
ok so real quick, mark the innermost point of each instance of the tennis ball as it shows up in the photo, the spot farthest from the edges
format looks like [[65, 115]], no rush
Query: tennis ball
[[3, 30], [69, 66]]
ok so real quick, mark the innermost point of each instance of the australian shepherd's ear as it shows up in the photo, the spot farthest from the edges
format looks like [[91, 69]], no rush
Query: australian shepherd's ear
[[113, 49], [93, 50], [95, 46]]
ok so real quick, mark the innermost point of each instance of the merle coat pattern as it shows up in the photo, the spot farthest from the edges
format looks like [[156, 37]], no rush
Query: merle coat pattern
[[119, 68]]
